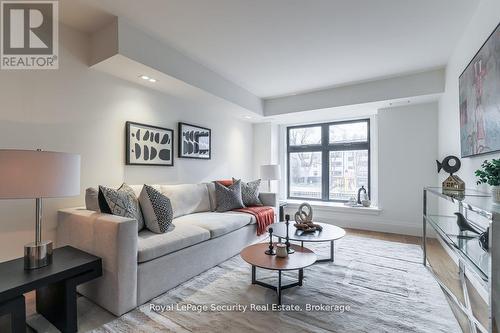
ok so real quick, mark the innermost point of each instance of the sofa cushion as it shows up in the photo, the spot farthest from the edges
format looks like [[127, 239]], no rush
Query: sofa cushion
[[138, 189], [95, 201], [217, 224], [185, 198], [226, 182], [211, 196], [250, 193], [123, 202], [103, 204], [157, 210], [252, 218], [228, 198], [151, 245], [92, 199]]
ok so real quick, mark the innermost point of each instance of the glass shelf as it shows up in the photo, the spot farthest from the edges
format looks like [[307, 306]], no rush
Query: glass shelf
[[474, 263], [466, 243], [476, 201]]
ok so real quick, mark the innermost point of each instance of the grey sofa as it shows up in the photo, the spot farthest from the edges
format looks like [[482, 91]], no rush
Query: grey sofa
[[140, 266]]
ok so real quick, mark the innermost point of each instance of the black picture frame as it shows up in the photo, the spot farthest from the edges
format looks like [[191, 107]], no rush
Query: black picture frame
[[184, 150], [152, 145]]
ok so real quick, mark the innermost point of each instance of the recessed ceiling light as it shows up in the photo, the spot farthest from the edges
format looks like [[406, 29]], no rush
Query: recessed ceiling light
[[248, 117], [152, 80], [144, 77]]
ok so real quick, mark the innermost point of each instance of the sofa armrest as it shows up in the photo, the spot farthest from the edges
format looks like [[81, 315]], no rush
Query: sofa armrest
[[268, 199], [114, 239]]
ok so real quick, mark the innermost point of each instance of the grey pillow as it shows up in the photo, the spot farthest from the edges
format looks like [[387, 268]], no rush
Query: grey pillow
[[122, 202], [95, 201], [92, 199], [157, 210], [211, 196], [228, 198], [250, 193]]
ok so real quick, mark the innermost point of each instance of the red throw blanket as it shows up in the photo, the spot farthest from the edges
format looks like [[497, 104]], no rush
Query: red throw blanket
[[264, 216]]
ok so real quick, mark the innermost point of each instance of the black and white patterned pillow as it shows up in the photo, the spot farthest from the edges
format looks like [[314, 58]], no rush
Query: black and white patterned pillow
[[228, 198], [122, 202], [157, 210], [250, 193]]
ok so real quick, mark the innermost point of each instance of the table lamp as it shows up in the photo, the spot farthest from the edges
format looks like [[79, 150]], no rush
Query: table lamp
[[270, 172], [36, 174]]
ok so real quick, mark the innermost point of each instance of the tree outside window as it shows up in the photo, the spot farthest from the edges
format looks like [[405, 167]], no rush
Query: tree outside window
[[328, 161]]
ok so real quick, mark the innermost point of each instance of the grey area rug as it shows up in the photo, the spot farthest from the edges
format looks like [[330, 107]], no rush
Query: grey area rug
[[384, 285]]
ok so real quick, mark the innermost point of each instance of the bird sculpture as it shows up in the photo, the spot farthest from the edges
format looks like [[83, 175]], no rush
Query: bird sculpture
[[464, 225]]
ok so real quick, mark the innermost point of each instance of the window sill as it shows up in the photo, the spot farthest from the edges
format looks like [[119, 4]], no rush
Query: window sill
[[336, 207]]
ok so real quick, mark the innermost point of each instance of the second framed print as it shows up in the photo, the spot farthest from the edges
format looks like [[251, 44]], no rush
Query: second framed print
[[194, 141]]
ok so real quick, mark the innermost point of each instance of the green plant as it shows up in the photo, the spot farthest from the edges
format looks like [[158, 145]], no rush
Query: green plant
[[490, 173]]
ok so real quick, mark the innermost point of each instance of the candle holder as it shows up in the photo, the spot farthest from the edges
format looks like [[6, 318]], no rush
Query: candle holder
[[287, 238], [271, 251]]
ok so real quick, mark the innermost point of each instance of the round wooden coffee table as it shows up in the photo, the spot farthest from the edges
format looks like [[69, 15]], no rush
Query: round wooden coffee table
[[255, 256], [330, 233]]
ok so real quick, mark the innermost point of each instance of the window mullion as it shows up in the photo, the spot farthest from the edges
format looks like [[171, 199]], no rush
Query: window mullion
[[325, 173], [325, 149], [349, 146], [306, 149]]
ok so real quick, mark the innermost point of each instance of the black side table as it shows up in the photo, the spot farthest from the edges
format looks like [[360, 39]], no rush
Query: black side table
[[55, 287]]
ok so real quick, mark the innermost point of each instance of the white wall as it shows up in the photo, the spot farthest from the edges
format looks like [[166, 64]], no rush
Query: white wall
[[406, 152], [484, 21], [265, 149], [261, 146], [80, 110], [482, 24]]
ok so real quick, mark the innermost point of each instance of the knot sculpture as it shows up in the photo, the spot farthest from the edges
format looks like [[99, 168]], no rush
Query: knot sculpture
[[301, 216], [304, 217]]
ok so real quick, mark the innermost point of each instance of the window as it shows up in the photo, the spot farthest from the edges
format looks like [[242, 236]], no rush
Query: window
[[328, 162]]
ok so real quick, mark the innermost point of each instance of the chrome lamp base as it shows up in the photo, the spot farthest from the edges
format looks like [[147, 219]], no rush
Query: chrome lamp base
[[37, 255]]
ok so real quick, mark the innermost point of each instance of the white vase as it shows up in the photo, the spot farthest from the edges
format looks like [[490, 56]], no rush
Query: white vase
[[495, 193]]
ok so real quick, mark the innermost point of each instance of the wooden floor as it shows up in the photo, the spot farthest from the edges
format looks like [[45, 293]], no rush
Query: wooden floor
[[442, 264]]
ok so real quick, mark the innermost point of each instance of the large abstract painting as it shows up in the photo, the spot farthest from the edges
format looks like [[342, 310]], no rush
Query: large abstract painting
[[194, 141], [149, 145], [480, 100]]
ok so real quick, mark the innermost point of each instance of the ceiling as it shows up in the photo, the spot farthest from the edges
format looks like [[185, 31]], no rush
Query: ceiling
[[281, 47], [348, 111]]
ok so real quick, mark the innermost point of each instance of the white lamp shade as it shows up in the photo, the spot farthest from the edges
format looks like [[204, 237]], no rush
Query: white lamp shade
[[29, 174], [270, 172]]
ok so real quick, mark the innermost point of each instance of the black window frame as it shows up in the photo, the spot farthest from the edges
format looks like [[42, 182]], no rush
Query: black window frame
[[325, 148]]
